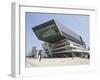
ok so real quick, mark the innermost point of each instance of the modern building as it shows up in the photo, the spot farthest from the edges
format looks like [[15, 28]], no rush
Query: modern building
[[32, 53], [60, 41]]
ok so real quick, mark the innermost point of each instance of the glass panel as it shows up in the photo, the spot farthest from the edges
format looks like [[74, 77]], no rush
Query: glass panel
[[47, 31]]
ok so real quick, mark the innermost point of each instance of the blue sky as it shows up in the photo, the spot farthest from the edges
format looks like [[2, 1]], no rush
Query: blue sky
[[77, 23]]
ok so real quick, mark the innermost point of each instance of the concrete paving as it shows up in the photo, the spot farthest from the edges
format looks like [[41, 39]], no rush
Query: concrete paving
[[31, 62]]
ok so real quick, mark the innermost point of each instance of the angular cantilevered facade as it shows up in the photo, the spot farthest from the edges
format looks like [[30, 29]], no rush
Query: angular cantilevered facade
[[61, 41]]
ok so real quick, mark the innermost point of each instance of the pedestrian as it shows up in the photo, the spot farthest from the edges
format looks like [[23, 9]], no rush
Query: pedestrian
[[39, 54]]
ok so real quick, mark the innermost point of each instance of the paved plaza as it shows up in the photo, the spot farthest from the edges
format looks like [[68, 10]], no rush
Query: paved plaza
[[31, 62]]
